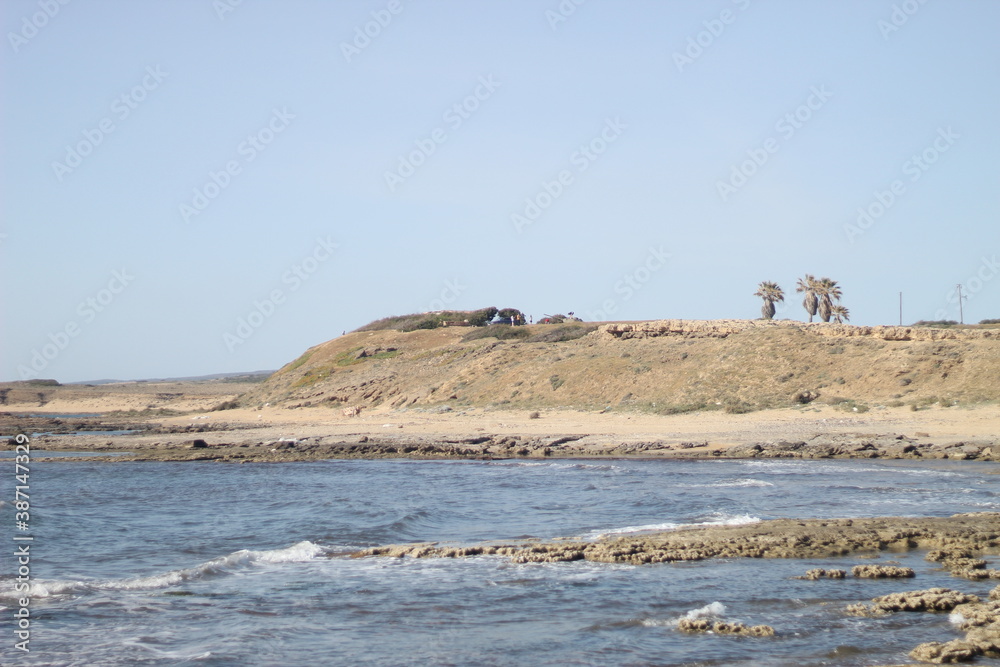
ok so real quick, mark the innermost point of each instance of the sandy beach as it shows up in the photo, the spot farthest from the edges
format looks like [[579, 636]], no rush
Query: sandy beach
[[165, 427]]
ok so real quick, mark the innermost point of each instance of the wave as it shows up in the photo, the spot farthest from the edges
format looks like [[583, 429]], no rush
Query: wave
[[712, 610], [742, 482], [722, 520], [845, 466], [242, 559], [545, 464]]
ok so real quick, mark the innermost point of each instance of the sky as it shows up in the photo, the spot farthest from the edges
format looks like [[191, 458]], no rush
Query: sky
[[213, 186]]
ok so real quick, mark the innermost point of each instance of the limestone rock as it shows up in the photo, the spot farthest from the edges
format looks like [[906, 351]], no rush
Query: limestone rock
[[881, 572], [724, 628], [931, 599], [819, 573], [948, 652]]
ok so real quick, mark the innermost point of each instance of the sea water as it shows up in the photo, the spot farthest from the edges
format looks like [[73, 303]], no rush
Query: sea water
[[202, 563]]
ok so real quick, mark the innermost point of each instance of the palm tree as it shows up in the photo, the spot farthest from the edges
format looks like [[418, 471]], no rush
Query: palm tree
[[840, 314], [827, 291], [810, 302], [770, 292]]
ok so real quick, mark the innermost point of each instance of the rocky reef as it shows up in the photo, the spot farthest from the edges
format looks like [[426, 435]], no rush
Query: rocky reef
[[780, 538]]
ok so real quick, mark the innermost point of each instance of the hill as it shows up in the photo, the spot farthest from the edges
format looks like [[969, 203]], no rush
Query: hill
[[662, 367]]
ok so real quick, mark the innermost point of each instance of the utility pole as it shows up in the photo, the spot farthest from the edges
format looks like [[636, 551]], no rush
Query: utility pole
[[961, 315], [900, 309]]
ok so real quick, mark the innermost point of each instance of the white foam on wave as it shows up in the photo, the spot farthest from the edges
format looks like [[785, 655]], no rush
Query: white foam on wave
[[711, 610], [242, 559], [723, 520]]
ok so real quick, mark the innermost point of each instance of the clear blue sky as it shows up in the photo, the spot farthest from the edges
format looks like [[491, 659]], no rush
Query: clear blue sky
[[172, 167]]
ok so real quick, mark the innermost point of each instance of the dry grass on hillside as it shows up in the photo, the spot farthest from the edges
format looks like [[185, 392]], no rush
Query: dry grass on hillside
[[751, 369]]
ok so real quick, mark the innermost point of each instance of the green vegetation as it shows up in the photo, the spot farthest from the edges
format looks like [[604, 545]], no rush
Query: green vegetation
[[508, 313], [347, 357], [847, 404], [475, 318], [563, 333], [566, 332], [298, 362], [940, 324], [498, 331]]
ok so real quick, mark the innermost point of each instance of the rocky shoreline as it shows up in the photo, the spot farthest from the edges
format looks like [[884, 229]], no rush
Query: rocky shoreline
[[240, 443], [955, 543]]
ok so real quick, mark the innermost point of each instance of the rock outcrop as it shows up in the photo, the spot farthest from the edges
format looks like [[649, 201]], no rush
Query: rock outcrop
[[781, 538], [819, 573], [724, 328], [724, 628], [931, 599], [881, 572]]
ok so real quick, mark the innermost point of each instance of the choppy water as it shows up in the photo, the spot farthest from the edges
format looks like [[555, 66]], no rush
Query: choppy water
[[214, 564]]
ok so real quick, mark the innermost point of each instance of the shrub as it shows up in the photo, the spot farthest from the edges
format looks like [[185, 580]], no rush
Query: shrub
[[500, 333], [563, 333], [850, 405], [416, 321], [995, 321], [508, 313], [482, 317], [934, 323]]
